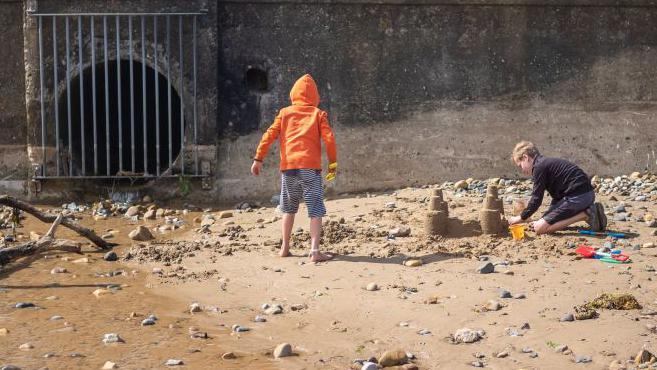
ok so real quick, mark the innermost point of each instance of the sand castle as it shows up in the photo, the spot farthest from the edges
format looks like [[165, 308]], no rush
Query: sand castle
[[436, 219], [491, 216]]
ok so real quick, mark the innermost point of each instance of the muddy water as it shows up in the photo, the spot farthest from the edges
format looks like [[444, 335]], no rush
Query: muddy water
[[75, 341]]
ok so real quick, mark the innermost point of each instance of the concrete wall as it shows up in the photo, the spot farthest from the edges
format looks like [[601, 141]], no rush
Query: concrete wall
[[426, 91], [13, 161]]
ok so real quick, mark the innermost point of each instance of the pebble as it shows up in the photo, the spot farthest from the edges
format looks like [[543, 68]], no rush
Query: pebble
[[400, 232], [109, 365], [25, 347], [567, 318], [393, 358], [228, 356], [466, 335], [56, 317], [110, 256], [561, 348], [58, 270], [372, 287], [502, 354], [519, 296], [274, 310], [493, 305], [486, 268], [174, 362], [260, 319], [505, 294], [369, 366], [226, 214], [24, 305], [240, 329], [477, 364], [581, 359], [10, 367], [413, 263], [424, 332], [112, 338], [4, 332], [195, 307], [620, 217], [283, 350], [141, 233], [147, 322]]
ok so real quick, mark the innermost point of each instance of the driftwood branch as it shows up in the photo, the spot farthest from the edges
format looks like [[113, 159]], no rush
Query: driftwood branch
[[44, 217], [46, 242]]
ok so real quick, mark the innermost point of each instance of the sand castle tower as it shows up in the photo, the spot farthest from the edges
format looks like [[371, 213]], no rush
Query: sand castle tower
[[492, 213], [436, 219]]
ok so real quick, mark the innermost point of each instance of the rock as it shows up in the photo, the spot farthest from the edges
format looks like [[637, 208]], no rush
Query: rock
[[274, 310], [112, 338], [26, 346], [644, 357], [110, 256], [24, 305], [509, 272], [648, 245], [283, 350], [55, 318], [109, 365], [477, 364], [400, 232], [207, 221], [493, 305], [620, 217], [617, 365], [228, 356], [372, 287], [240, 329], [147, 199], [462, 184], [505, 294], [413, 263], [390, 205], [260, 319], [424, 332], [561, 348], [34, 236], [226, 214], [486, 268], [466, 335], [369, 366], [519, 296], [393, 358], [132, 211], [82, 260], [147, 322], [525, 326], [141, 233], [4, 332], [174, 362], [502, 354], [652, 223], [160, 213], [581, 359], [195, 307], [150, 214], [567, 318], [58, 270]]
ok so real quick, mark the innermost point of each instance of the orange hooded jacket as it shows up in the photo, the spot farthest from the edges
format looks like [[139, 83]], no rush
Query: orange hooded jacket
[[299, 128]]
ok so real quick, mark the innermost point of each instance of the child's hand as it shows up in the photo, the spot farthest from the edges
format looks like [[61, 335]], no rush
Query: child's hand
[[332, 170], [515, 220], [255, 168]]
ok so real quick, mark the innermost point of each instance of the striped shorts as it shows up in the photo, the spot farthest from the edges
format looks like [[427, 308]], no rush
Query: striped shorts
[[306, 184]]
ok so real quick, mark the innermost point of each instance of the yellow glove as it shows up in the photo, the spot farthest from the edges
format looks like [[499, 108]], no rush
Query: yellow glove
[[332, 169]]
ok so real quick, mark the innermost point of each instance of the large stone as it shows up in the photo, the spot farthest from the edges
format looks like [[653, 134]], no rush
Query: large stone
[[132, 211], [150, 214], [486, 268], [110, 256], [283, 350], [141, 233], [393, 358], [644, 357], [466, 335]]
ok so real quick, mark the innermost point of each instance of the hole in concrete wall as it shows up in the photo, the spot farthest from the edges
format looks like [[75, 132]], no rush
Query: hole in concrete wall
[[257, 80], [156, 103]]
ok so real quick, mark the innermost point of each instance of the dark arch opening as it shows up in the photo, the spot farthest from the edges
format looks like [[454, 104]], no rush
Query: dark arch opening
[[121, 156], [257, 80]]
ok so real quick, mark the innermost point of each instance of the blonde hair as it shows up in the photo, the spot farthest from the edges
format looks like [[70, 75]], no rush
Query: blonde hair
[[522, 148]]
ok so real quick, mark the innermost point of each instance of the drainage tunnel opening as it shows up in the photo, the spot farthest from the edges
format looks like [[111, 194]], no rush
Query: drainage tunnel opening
[[143, 159]]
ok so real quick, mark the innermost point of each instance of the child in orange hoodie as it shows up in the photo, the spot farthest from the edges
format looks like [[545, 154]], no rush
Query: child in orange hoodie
[[299, 128]]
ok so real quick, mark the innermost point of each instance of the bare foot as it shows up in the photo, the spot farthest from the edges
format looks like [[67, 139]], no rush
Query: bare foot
[[285, 252], [320, 257]]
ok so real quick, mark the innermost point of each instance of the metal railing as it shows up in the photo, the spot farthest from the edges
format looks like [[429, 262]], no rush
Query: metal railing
[[70, 163]]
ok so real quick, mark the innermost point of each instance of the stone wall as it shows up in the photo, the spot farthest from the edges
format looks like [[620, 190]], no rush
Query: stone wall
[[428, 91]]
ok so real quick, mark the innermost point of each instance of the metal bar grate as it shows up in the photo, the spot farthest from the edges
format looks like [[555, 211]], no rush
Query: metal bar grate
[[102, 136]]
